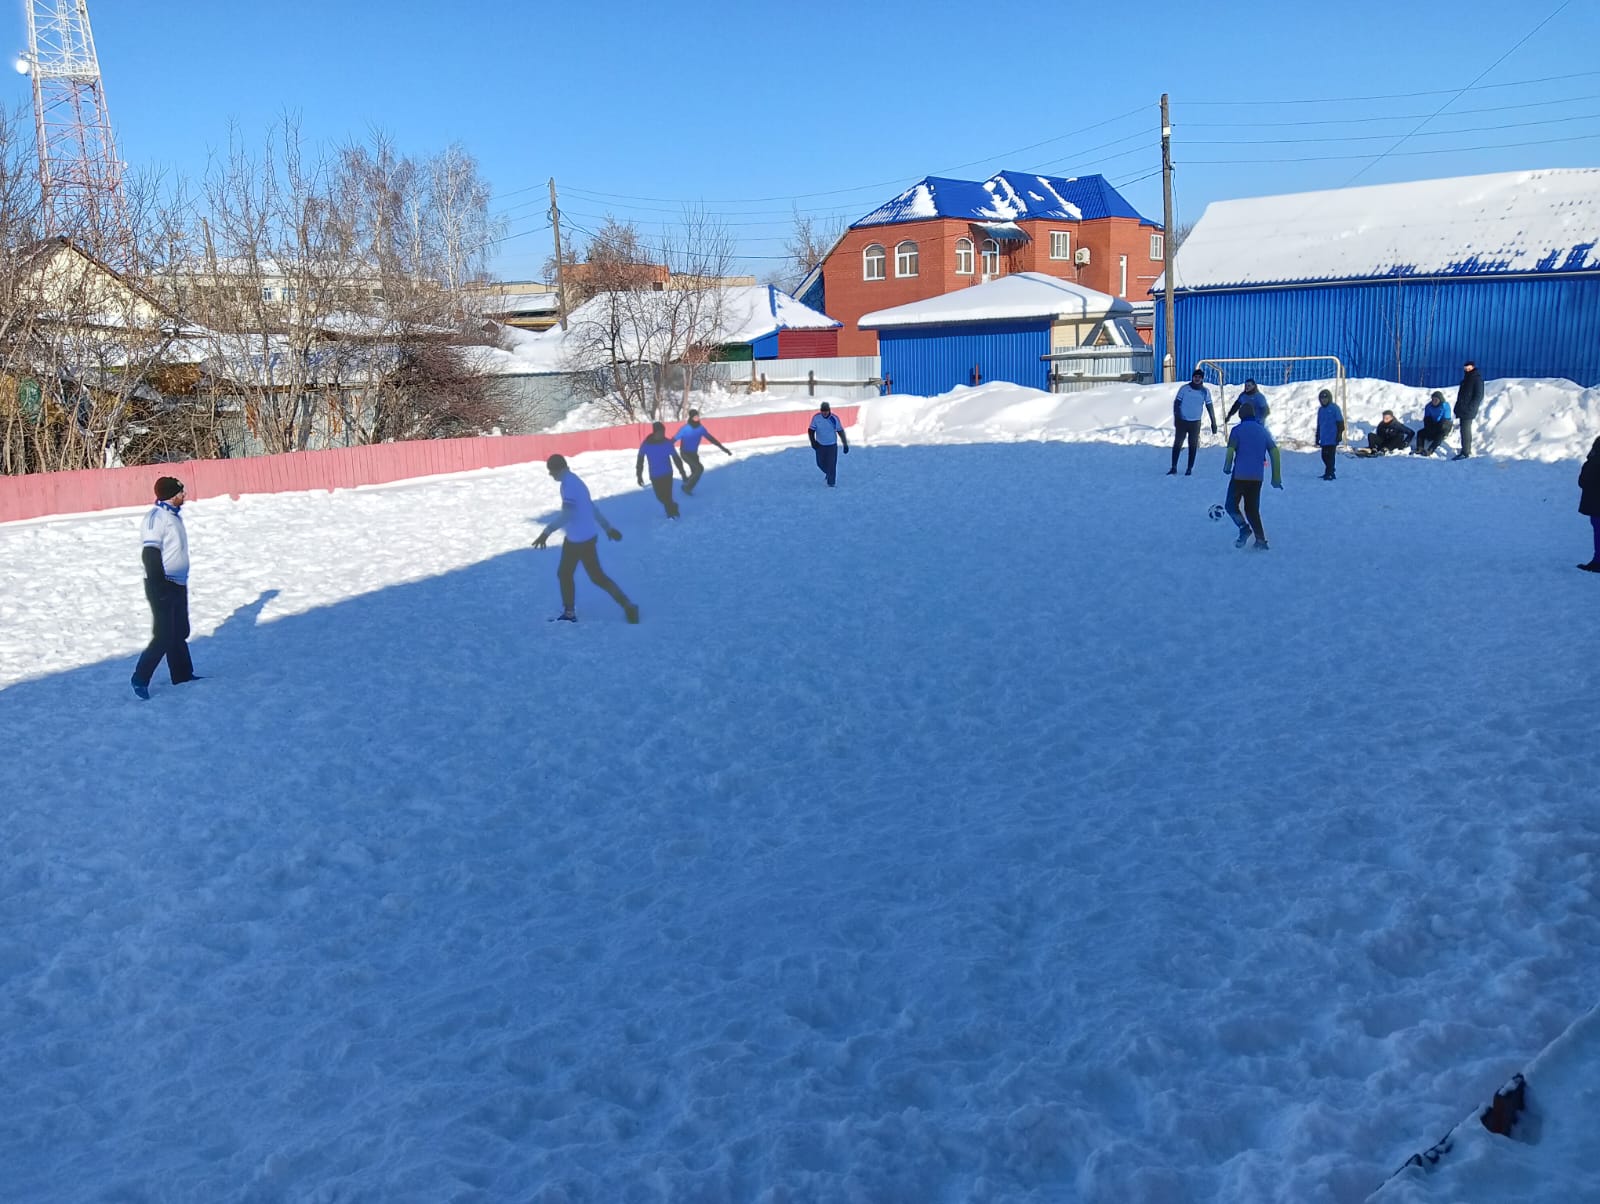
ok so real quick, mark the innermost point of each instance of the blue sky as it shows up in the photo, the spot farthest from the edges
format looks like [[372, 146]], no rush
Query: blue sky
[[832, 106]]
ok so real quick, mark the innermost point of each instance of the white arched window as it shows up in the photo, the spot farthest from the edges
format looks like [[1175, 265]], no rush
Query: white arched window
[[873, 263], [991, 257], [963, 257], [905, 259]]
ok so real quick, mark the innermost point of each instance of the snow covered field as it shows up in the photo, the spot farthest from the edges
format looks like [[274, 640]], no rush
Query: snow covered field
[[986, 829]]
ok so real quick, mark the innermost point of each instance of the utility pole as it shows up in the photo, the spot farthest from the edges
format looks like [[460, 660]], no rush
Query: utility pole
[[1168, 363], [561, 267]]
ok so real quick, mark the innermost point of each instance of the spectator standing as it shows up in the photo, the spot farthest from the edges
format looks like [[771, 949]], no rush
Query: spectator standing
[[688, 438], [662, 456], [826, 433], [165, 554], [1330, 431], [1192, 398], [1469, 399], [1589, 501]]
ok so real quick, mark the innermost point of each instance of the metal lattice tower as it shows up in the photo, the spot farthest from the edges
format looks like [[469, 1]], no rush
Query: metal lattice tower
[[79, 173]]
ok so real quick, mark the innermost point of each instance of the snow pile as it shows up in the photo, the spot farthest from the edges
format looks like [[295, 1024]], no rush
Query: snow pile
[[1529, 420]]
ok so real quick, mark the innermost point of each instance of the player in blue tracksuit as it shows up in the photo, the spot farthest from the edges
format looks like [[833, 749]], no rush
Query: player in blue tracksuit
[[1249, 446], [688, 438], [662, 455], [826, 433], [1252, 397], [166, 587], [1330, 431], [1436, 424]]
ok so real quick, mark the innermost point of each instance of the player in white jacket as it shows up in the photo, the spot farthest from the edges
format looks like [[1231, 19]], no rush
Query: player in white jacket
[[166, 588]]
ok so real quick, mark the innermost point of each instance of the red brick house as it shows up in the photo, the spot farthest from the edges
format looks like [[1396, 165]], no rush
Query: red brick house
[[941, 235]]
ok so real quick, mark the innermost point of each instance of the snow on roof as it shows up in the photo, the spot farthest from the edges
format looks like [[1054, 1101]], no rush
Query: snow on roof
[[749, 312], [1003, 197], [1525, 221], [1024, 295], [497, 304]]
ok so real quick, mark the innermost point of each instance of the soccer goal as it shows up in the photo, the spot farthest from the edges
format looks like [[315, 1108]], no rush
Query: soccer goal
[[1273, 370]]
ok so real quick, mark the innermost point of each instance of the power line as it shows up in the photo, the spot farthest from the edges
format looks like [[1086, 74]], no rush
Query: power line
[[1478, 129], [1442, 150], [1325, 100], [1235, 125]]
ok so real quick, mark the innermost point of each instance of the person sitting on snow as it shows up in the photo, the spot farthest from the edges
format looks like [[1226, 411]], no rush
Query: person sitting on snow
[[1436, 424], [1390, 435]]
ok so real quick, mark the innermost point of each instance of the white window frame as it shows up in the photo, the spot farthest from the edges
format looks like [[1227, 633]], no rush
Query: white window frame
[[991, 257], [875, 255], [1158, 247], [906, 255], [1123, 291], [267, 293], [1061, 244], [964, 255]]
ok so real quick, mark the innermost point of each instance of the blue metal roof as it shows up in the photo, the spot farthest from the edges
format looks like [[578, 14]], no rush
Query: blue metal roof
[[1005, 197]]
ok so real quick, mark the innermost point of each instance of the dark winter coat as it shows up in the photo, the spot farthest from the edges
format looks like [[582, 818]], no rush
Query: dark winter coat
[[1469, 395], [1589, 482], [1390, 436]]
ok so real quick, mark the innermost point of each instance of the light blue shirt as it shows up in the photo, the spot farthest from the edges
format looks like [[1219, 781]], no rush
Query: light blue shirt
[[690, 437], [826, 428]]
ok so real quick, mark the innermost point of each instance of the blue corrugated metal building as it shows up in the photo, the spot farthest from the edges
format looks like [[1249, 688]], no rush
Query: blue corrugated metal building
[[1402, 282], [1000, 330]]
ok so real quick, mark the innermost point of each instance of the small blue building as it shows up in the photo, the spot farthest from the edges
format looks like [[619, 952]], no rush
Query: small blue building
[[1401, 282], [1005, 330]]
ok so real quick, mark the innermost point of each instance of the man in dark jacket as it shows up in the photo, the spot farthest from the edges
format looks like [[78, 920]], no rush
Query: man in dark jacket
[[1469, 397], [662, 455], [1390, 435], [1589, 501]]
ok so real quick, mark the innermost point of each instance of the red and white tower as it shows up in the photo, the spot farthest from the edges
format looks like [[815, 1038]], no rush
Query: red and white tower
[[79, 172]]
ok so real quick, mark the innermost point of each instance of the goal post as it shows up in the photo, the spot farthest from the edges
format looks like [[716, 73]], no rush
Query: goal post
[[1274, 370]]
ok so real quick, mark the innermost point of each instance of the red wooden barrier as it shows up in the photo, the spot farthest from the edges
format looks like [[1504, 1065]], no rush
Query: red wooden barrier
[[50, 493]]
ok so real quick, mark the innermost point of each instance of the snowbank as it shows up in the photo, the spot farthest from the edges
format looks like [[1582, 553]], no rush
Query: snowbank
[[1525, 419]]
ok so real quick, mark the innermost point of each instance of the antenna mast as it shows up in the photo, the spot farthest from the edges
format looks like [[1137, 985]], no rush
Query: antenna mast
[[80, 176]]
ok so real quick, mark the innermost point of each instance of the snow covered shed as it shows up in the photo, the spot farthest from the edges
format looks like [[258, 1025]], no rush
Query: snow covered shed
[[1001, 330], [1402, 282]]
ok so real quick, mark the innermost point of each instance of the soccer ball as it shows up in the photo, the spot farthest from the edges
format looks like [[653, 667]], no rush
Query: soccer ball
[[1216, 512]]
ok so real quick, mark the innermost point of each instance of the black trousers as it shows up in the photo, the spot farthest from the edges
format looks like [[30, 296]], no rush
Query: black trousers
[[1184, 429], [663, 488], [585, 552], [827, 459], [169, 633], [1466, 436], [1328, 456], [1431, 436], [691, 461], [1249, 493]]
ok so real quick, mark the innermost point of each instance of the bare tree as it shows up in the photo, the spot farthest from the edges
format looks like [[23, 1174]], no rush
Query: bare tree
[[653, 316], [813, 236]]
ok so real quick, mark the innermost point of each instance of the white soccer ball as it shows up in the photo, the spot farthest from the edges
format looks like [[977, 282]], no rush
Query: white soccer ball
[[1216, 512]]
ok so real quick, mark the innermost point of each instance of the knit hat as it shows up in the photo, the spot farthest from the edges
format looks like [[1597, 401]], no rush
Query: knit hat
[[1246, 410], [168, 488]]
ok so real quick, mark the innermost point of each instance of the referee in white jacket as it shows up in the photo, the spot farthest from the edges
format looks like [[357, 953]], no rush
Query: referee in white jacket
[[166, 588]]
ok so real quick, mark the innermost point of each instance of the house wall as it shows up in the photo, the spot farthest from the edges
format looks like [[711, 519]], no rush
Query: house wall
[[1415, 331], [928, 360], [807, 344], [849, 296]]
